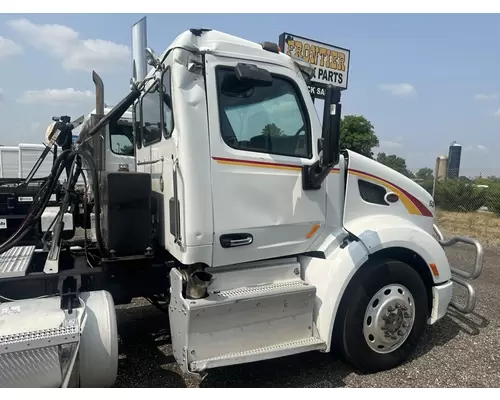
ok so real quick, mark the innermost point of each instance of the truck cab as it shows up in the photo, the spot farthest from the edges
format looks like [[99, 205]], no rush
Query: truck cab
[[248, 182], [259, 235], [242, 150], [117, 142]]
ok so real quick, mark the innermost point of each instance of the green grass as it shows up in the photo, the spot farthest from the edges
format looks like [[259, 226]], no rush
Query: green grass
[[484, 227]]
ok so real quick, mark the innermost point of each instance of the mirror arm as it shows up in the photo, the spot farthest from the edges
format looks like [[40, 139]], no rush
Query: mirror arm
[[314, 175]]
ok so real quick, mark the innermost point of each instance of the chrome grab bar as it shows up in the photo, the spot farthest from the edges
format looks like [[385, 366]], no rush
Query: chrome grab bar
[[461, 277], [149, 162]]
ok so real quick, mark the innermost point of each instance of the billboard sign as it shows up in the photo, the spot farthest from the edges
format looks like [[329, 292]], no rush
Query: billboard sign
[[330, 63]]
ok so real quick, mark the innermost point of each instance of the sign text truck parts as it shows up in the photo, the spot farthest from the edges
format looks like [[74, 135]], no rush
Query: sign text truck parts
[[330, 63]]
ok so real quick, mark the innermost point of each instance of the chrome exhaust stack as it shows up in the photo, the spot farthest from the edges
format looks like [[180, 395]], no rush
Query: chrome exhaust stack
[[97, 141], [139, 68], [139, 45]]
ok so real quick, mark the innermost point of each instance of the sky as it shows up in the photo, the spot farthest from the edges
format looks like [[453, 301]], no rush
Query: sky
[[422, 80]]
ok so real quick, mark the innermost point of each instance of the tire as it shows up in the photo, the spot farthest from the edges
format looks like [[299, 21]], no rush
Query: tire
[[360, 329]]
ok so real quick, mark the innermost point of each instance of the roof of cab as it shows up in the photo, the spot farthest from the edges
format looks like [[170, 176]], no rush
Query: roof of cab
[[212, 41]]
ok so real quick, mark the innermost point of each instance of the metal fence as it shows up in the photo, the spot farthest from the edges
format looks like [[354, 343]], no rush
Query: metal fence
[[467, 205]]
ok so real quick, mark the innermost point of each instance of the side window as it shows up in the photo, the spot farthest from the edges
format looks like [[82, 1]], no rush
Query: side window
[[263, 119], [151, 116], [136, 116], [121, 137], [168, 116]]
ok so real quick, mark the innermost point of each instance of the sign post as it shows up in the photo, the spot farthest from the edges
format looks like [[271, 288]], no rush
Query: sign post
[[330, 63]]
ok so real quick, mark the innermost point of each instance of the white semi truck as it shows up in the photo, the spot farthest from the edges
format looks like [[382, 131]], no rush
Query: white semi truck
[[258, 245]]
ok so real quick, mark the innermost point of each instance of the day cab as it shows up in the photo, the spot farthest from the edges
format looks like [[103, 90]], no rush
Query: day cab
[[307, 246]]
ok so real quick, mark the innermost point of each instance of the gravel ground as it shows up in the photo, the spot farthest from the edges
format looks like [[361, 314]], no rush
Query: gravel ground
[[458, 351]]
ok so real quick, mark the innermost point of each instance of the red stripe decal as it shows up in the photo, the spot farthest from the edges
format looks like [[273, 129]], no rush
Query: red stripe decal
[[421, 207], [256, 162]]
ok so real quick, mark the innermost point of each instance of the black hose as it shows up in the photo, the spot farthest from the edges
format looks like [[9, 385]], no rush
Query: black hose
[[97, 201], [29, 221], [42, 199], [59, 225], [37, 207]]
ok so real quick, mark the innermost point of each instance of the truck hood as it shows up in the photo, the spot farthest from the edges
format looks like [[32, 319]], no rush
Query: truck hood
[[365, 195]]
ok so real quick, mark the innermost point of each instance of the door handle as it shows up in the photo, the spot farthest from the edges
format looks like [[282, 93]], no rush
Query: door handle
[[235, 240]]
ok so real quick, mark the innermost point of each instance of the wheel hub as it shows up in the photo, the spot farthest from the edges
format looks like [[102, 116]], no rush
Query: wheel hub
[[389, 318]]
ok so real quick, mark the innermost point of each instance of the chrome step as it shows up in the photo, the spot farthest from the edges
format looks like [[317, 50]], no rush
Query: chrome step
[[15, 262], [255, 292], [263, 353]]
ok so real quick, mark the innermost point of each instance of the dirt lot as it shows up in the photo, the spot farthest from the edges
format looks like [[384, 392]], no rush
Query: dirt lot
[[459, 351]]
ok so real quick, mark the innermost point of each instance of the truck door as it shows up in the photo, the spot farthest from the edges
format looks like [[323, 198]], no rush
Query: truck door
[[259, 141]]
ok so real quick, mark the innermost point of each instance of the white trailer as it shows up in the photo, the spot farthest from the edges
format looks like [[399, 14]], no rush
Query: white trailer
[[17, 161], [259, 245]]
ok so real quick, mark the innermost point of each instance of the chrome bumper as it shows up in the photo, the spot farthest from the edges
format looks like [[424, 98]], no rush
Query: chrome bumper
[[461, 276]]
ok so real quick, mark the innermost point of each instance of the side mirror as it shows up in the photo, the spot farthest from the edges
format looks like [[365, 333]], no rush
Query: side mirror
[[314, 175], [331, 127]]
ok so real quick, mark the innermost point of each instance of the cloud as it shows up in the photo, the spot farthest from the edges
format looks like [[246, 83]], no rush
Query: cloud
[[398, 89], [482, 148], [9, 48], [497, 113], [67, 96], [65, 44], [479, 147], [482, 96], [2, 97], [389, 145]]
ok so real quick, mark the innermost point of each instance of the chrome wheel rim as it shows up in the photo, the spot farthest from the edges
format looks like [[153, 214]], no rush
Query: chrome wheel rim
[[389, 318]]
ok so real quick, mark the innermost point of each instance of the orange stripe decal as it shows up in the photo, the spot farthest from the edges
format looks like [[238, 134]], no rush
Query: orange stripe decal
[[313, 231], [412, 204], [258, 164], [263, 164]]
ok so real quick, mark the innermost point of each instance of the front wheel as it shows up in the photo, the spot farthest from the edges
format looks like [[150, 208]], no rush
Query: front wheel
[[382, 316]]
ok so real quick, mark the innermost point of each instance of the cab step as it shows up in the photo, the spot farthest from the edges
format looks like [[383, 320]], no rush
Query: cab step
[[252, 312], [263, 353]]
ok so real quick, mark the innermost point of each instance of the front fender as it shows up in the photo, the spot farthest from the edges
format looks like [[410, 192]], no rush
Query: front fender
[[330, 277], [384, 232]]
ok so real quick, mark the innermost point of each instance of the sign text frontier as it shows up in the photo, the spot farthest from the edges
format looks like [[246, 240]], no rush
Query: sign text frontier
[[330, 63]]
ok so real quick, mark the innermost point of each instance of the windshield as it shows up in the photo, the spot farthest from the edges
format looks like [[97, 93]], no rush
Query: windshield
[[121, 137]]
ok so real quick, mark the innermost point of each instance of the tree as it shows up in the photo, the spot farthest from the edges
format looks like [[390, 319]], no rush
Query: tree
[[272, 130], [396, 163], [127, 150], [357, 134], [425, 178], [425, 173], [459, 196]]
